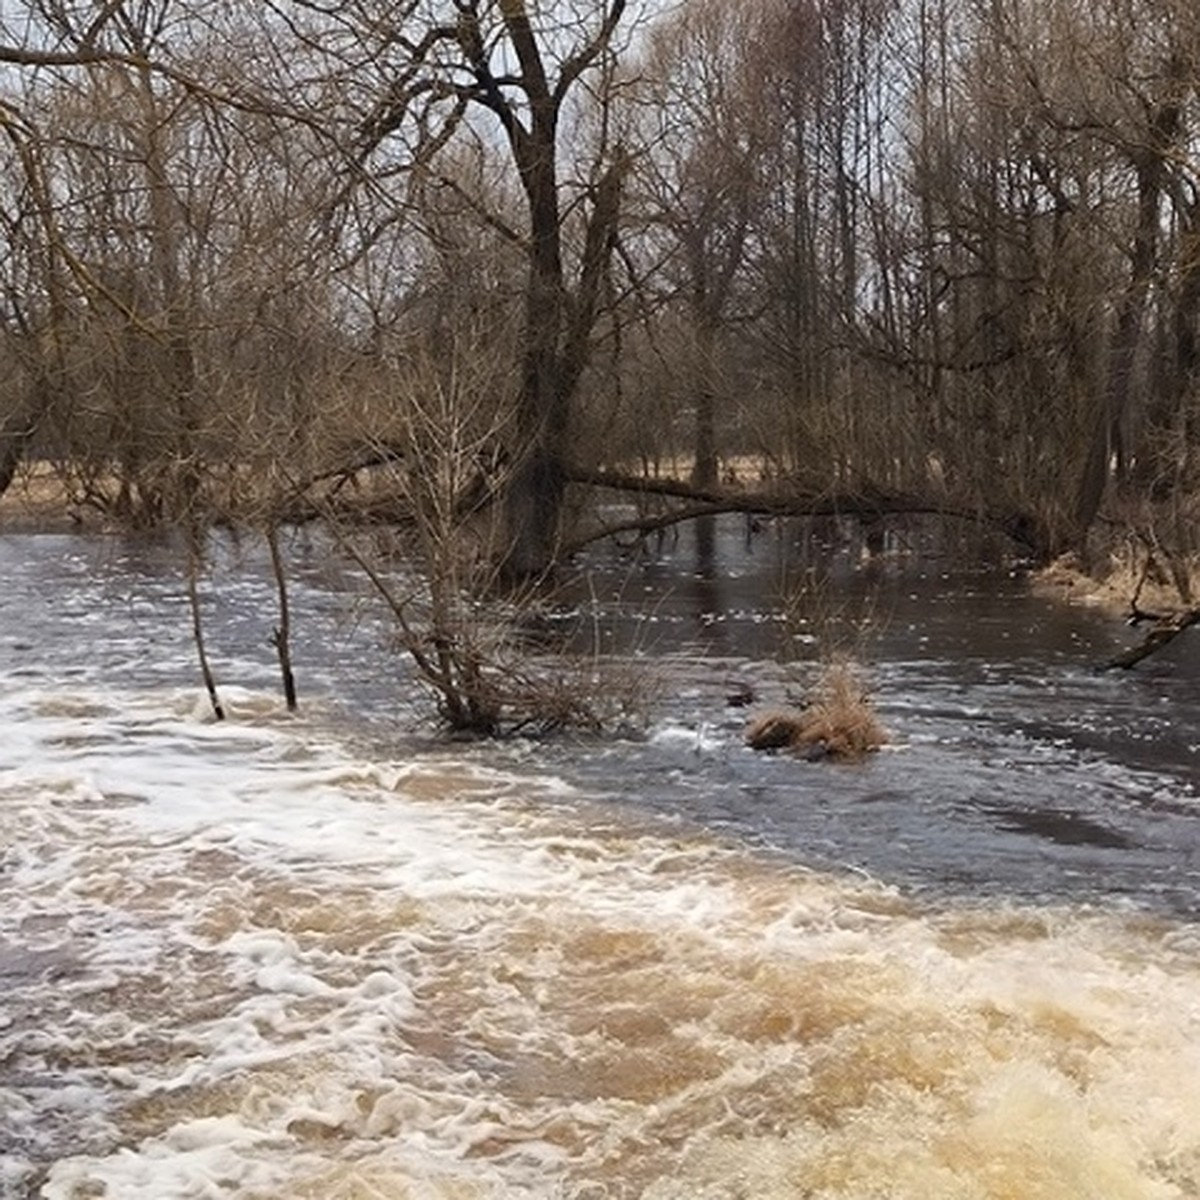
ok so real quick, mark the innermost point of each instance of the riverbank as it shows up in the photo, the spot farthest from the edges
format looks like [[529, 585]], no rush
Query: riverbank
[[1132, 585]]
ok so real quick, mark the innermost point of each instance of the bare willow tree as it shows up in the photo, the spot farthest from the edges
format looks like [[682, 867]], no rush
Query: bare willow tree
[[707, 128], [822, 254], [38, 268], [1056, 173], [508, 75], [994, 331], [34, 284], [159, 196], [109, 130]]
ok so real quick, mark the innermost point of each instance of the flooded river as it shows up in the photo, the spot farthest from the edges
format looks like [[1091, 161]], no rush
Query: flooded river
[[325, 957]]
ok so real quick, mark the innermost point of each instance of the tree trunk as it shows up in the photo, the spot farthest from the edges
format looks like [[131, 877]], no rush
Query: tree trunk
[[535, 493], [179, 367], [705, 464], [1186, 375], [1106, 440], [556, 338], [16, 432]]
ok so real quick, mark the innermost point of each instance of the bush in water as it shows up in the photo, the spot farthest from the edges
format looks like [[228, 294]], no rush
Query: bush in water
[[838, 722]]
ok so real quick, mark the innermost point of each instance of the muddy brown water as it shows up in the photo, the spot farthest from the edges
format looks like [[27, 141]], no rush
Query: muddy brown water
[[330, 956]]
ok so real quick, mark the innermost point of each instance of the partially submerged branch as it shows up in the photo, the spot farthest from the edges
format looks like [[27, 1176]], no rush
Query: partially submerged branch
[[1165, 630], [281, 636], [1134, 585], [195, 556]]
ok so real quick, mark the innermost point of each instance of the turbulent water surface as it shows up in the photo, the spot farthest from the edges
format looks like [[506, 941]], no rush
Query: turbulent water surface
[[321, 957]]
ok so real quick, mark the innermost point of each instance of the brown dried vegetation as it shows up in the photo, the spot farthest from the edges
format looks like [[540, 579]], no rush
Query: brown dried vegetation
[[839, 722]]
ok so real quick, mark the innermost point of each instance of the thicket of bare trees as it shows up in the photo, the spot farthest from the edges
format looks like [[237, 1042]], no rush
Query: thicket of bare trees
[[867, 256]]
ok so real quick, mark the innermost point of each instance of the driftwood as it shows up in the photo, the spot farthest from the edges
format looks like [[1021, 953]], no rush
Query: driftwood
[[1164, 631]]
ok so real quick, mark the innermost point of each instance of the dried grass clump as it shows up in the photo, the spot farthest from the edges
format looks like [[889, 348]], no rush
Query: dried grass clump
[[1129, 581], [838, 722]]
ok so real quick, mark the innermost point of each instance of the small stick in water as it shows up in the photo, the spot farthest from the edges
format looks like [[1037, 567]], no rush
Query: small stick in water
[[197, 624]]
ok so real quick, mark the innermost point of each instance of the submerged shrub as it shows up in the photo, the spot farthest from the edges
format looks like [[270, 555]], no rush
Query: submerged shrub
[[837, 722]]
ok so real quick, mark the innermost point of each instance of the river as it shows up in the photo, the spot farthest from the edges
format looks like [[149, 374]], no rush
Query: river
[[329, 956]]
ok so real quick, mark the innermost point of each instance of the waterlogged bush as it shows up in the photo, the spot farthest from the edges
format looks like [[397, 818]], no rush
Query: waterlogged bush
[[838, 721]]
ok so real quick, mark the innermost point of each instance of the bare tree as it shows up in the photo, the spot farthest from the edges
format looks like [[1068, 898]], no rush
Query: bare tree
[[822, 250], [34, 287], [1087, 276], [708, 127], [508, 74]]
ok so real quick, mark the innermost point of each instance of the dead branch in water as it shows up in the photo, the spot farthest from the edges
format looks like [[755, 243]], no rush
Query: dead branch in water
[[1165, 630], [281, 636], [195, 554]]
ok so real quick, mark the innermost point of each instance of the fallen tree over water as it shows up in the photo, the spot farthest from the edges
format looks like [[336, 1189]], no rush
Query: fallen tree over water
[[866, 501]]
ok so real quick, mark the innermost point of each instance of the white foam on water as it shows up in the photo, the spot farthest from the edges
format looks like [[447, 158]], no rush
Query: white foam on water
[[251, 960]]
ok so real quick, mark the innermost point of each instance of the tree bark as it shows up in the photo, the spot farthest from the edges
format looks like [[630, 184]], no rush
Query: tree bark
[[556, 336], [16, 432], [535, 493]]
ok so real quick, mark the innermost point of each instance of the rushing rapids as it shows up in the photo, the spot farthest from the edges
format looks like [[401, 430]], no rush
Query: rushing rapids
[[289, 957]]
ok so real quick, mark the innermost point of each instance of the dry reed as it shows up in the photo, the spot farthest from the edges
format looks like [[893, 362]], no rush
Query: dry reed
[[838, 722]]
